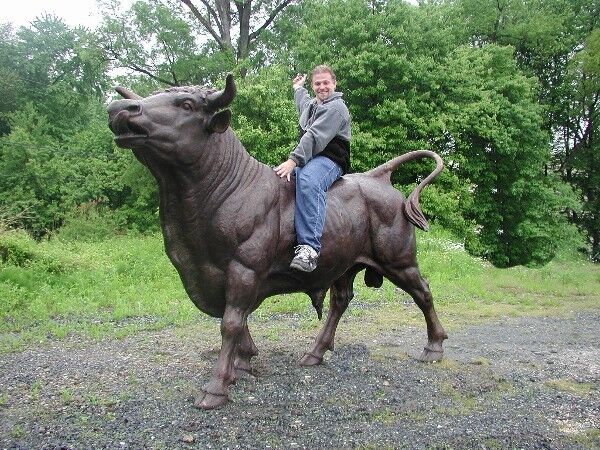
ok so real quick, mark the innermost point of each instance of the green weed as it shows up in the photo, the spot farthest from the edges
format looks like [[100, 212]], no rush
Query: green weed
[[385, 416], [66, 395], [17, 432], [36, 388], [571, 386]]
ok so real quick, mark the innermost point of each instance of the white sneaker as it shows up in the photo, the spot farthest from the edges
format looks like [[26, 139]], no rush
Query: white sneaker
[[305, 259]]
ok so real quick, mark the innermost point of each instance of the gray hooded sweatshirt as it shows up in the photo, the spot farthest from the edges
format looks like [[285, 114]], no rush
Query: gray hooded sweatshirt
[[320, 123]]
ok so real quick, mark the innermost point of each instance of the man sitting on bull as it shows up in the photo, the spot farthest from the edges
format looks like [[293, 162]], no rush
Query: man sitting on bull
[[321, 157]]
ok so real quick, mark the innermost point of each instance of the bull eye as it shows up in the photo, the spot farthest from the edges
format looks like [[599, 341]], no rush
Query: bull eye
[[187, 105]]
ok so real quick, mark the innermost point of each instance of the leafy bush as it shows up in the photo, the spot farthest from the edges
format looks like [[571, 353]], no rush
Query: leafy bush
[[16, 248], [19, 250], [90, 222]]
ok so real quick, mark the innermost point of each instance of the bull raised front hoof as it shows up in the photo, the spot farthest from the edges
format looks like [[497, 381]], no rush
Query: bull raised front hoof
[[310, 360], [207, 400], [430, 355]]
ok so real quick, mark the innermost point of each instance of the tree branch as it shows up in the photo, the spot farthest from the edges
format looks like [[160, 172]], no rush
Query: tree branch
[[171, 59], [270, 19], [205, 24], [214, 15], [150, 74]]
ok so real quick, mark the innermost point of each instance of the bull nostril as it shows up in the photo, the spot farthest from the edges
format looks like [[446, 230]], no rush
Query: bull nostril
[[134, 108]]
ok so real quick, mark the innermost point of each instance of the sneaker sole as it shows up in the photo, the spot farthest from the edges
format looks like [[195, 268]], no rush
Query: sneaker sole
[[301, 268]]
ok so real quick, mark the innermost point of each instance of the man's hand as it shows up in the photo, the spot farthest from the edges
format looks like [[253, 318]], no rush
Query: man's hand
[[285, 169], [298, 82]]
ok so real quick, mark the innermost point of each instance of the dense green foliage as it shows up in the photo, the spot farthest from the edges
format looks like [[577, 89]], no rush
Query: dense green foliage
[[506, 91]]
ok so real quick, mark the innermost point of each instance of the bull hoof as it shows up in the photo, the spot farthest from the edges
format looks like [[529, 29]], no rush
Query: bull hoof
[[210, 401], [431, 355], [310, 360]]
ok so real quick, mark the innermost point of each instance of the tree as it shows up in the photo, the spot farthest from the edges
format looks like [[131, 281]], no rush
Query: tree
[[157, 41], [57, 151], [552, 41], [218, 18], [577, 142], [57, 68], [184, 42], [264, 115]]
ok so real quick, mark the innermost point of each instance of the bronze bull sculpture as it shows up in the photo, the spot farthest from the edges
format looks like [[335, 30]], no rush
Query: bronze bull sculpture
[[228, 225]]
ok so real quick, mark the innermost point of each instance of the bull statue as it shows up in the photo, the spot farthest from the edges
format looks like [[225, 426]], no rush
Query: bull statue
[[228, 225]]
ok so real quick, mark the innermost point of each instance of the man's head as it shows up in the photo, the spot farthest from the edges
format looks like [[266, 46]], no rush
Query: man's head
[[323, 82]]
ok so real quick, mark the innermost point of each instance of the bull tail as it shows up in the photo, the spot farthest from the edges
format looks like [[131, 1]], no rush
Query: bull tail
[[412, 209]]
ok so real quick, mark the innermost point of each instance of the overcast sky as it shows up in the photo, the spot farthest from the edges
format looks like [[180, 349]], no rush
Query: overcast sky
[[74, 12]]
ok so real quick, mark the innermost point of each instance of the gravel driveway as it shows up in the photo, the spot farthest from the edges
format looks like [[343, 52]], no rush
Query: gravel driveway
[[510, 383]]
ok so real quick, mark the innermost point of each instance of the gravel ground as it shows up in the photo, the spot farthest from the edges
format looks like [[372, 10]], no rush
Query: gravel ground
[[510, 383]]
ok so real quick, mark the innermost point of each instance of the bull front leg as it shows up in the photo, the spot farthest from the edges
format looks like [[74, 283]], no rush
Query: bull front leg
[[240, 295]]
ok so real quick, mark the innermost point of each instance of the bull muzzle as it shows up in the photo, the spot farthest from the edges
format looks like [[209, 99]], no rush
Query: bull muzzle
[[121, 115]]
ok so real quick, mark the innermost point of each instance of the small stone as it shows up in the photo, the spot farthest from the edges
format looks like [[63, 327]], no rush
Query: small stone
[[386, 383], [188, 438]]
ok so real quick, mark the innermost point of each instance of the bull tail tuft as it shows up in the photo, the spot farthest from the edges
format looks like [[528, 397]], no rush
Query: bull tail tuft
[[412, 208], [412, 211]]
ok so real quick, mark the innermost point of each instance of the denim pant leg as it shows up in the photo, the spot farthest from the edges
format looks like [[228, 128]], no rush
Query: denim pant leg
[[312, 181]]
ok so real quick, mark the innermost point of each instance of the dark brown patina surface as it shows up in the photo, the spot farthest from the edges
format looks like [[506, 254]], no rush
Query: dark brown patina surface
[[228, 225]]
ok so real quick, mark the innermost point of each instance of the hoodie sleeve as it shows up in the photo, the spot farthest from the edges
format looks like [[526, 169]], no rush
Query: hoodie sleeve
[[327, 124], [302, 99]]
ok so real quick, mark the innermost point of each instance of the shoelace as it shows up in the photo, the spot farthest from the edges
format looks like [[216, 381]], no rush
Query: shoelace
[[302, 252]]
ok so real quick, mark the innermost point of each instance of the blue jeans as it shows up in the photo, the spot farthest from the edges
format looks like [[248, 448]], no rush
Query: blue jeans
[[312, 182]]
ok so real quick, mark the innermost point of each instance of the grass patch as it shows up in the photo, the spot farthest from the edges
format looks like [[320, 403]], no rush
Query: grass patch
[[123, 285], [589, 438], [571, 386], [462, 403], [384, 416]]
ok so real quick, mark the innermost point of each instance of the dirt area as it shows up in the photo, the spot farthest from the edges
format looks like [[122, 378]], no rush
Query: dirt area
[[509, 383]]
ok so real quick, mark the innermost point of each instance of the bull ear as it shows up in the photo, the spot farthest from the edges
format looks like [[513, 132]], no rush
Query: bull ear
[[219, 122]]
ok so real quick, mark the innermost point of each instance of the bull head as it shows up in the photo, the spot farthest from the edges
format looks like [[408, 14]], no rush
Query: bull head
[[171, 119]]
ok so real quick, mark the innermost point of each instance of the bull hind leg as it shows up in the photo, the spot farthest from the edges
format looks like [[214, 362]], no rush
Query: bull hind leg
[[339, 297], [411, 281], [245, 351]]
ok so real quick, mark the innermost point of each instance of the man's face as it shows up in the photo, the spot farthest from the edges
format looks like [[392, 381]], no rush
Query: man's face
[[323, 85]]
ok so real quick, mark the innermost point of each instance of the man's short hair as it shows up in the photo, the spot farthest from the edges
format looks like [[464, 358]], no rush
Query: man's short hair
[[323, 69]]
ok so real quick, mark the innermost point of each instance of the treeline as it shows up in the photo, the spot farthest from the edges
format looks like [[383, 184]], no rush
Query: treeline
[[507, 91]]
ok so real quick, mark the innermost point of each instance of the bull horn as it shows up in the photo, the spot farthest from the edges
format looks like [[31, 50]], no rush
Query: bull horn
[[221, 99], [126, 93]]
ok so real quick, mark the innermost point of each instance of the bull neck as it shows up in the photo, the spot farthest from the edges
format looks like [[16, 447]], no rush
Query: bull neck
[[223, 167]]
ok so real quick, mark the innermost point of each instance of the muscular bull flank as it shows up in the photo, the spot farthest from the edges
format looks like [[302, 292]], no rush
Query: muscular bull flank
[[228, 225]]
